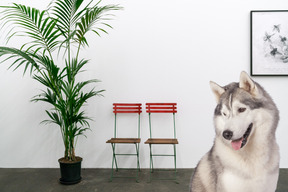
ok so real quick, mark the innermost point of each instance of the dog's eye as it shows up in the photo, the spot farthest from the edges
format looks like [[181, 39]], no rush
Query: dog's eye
[[224, 114], [241, 109]]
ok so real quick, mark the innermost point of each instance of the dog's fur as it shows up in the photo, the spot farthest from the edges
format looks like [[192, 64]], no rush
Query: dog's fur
[[253, 167]]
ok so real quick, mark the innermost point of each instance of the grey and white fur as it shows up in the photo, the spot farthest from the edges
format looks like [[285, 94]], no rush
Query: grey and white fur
[[245, 155]]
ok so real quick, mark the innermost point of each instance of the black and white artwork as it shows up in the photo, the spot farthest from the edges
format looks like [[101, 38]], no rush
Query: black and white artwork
[[269, 43]]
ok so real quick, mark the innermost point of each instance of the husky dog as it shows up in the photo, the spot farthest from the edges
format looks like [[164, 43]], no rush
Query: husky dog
[[245, 155]]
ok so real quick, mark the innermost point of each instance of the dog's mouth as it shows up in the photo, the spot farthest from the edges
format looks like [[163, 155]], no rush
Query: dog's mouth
[[239, 143]]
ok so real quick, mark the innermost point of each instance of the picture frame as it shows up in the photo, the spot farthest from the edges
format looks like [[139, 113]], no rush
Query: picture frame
[[269, 43]]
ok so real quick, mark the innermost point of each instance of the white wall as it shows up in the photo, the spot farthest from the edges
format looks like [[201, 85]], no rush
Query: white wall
[[158, 51]]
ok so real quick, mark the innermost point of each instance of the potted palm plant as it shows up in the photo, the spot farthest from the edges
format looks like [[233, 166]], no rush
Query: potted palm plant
[[55, 37]]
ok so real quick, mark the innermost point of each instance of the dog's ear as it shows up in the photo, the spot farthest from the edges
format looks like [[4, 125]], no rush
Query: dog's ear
[[217, 90], [248, 84]]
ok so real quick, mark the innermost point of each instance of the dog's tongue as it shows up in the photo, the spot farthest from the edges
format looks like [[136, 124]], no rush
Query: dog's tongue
[[236, 144]]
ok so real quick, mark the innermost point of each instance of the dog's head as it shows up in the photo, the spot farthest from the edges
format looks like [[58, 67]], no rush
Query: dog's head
[[241, 109]]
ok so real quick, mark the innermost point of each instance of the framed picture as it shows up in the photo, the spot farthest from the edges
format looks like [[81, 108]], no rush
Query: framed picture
[[269, 43]]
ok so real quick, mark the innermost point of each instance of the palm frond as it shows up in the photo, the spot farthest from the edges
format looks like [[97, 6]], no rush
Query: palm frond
[[55, 118], [74, 67], [64, 11], [34, 24], [91, 21], [21, 58], [46, 96]]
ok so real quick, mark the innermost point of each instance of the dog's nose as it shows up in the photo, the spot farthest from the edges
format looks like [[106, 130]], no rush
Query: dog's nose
[[227, 134]]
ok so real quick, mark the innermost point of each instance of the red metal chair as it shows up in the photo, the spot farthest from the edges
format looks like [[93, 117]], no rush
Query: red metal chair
[[169, 108], [122, 108]]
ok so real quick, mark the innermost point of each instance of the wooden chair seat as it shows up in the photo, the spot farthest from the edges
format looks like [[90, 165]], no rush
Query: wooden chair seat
[[124, 140], [161, 141]]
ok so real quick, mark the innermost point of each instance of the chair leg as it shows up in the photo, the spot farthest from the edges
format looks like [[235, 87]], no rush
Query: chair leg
[[151, 158], [111, 177], [138, 163], [151, 163], [175, 176], [113, 160], [137, 153], [114, 155]]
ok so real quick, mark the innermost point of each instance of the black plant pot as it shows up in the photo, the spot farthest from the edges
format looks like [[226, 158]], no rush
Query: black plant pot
[[70, 171]]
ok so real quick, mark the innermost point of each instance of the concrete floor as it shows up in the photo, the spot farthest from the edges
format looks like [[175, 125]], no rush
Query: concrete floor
[[97, 180]]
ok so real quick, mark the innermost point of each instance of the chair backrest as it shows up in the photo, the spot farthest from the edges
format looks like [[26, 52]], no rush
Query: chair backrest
[[127, 108], [161, 108]]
